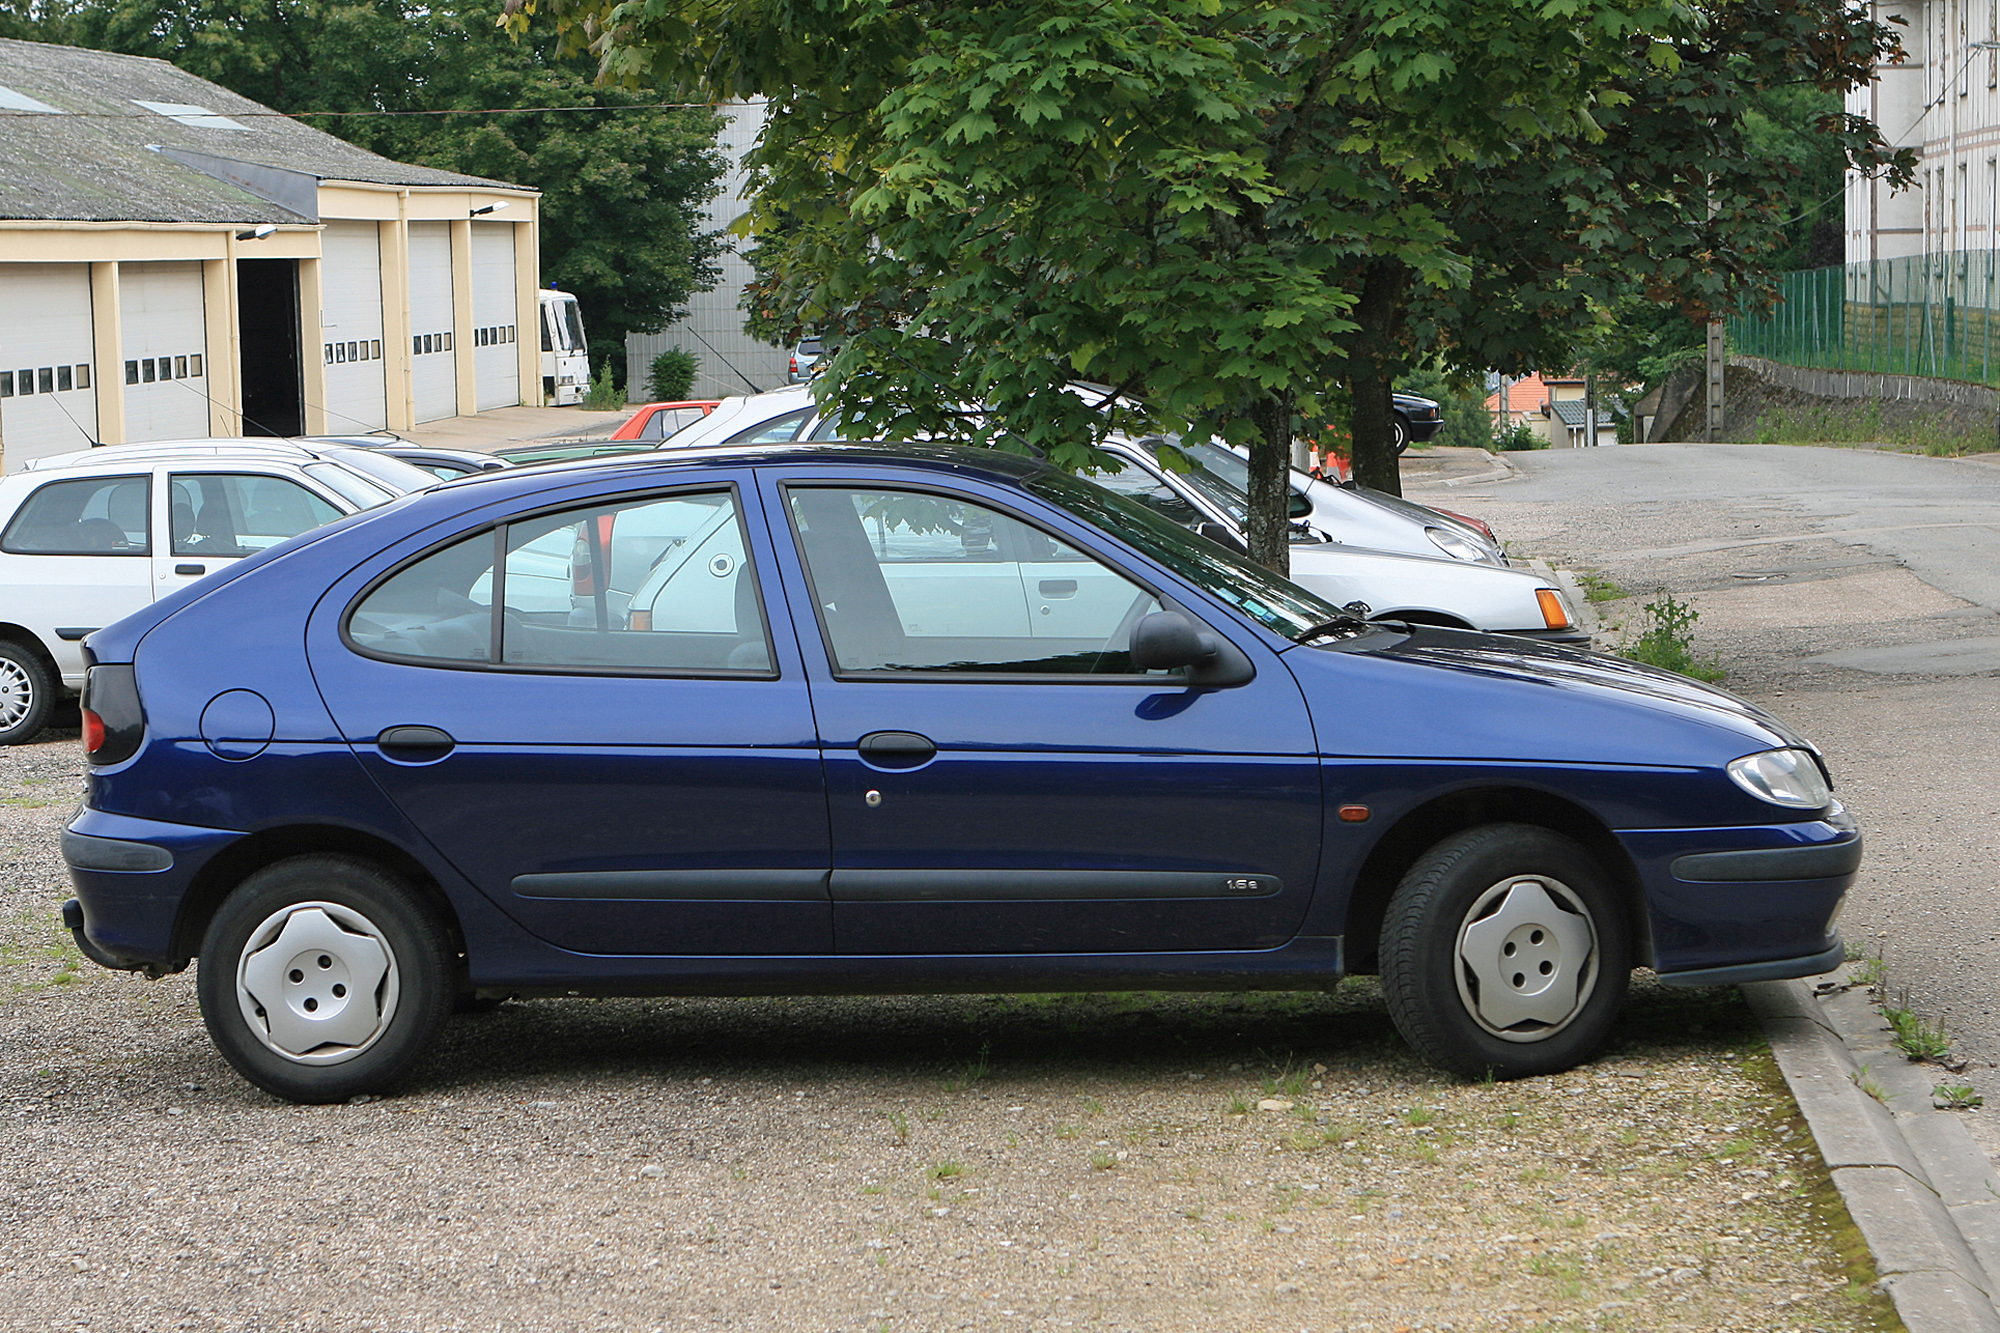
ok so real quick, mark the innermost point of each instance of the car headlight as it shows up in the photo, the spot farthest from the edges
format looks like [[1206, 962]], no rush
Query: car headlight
[[1455, 545], [1782, 777]]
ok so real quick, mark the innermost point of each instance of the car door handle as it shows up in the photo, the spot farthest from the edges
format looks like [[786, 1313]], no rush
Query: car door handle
[[415, 743], [1058, 587], [897, 749], [190, 569]]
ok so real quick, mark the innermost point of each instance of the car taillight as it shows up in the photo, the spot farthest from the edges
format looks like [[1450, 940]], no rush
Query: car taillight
[[113, 721]]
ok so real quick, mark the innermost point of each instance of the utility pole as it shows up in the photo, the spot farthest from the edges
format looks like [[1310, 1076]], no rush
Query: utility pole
[[1713, 431], [1590, 409]]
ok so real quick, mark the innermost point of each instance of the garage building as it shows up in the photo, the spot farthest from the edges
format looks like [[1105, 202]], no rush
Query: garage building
[[176, 260]]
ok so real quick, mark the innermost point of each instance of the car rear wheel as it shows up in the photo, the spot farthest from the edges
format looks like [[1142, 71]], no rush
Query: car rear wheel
[[1399, 433], [27, 693], [322, 977], [1505, 953]]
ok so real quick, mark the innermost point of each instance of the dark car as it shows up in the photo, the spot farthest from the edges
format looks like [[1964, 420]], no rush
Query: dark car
[[1413, 420], [853, 719]]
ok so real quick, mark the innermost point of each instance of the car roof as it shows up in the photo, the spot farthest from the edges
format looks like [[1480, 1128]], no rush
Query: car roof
[[992, 464], [167, 450]]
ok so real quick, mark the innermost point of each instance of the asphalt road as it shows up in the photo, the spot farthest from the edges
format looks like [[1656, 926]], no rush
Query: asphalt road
[[1857, 594]]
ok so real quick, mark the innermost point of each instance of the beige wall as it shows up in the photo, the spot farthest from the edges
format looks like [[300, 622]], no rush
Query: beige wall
[[105, 246]]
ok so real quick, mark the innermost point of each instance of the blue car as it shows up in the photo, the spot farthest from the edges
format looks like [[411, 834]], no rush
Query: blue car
[[851, 719]]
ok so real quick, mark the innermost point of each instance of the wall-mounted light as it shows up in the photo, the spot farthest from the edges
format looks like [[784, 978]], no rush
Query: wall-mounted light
[[258, 232], [490, 208]]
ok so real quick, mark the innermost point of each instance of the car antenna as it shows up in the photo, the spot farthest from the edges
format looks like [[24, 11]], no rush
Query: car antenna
[[95, 443]]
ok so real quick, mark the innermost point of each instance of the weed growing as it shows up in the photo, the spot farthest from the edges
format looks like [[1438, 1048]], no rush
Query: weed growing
[[1667, 641], [1916, 1037], [1862, 423]]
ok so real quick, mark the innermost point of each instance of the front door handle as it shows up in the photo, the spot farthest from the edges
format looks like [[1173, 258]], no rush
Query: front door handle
[[1058, 587], [415, 743], [897, 749]]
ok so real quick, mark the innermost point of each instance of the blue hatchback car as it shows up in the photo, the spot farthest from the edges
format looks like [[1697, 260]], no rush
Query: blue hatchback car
[[848, 719]]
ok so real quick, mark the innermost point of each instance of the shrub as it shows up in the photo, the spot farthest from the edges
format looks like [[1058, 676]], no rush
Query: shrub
[[671, 375], [604, 396], [1519, 436]]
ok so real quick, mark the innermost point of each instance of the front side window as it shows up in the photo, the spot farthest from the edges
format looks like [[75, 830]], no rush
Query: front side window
[[662, 584], [235, 514], [914, 581], [96, 516]]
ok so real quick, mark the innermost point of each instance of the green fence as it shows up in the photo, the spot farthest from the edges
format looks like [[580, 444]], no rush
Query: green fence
[[1931, 315]]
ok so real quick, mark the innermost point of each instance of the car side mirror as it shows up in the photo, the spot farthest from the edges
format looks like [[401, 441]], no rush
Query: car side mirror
[[1166, 640], [1301, 505], [1221, 536]]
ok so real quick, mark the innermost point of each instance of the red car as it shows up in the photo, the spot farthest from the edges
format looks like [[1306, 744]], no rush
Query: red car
[[656, 421]]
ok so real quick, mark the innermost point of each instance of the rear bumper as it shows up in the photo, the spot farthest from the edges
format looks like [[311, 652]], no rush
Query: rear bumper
[[131, 876], [1746, 904]]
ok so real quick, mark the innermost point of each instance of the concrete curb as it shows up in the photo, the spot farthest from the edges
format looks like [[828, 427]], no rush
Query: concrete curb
[[1924, 1196], [1497, 469]]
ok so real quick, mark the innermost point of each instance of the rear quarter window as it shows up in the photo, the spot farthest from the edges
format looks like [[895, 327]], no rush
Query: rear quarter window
[[86, 516]]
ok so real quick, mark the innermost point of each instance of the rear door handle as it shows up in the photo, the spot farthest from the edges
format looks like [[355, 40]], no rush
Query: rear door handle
[[897, 749], [415, 743], [190, 569]]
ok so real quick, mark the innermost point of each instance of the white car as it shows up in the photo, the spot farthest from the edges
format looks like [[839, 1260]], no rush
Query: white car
[[90, 537], [1352, 516], [1385, 561]]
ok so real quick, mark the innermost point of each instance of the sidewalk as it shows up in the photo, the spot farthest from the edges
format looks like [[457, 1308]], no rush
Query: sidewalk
[[1451, 466], [515, 425]]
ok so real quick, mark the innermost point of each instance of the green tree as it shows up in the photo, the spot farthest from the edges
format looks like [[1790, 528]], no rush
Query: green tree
[[623, 186], [1226, 211]]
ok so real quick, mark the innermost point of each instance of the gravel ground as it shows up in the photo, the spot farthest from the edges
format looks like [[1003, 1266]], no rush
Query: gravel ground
[[1229, 1162]]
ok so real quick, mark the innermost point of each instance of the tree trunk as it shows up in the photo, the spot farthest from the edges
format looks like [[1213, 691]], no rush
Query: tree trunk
[[1373, 360], [1270, 525]]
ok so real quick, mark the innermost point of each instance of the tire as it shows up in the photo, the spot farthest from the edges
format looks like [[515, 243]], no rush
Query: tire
[[1399, 433], [1459, 928], [27, 694], [372, 985]]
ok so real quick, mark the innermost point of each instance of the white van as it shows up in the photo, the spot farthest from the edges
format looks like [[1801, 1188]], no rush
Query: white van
[[565, 352]]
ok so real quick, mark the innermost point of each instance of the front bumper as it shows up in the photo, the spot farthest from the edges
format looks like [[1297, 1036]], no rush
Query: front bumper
[[131, 876], [1746, 904]]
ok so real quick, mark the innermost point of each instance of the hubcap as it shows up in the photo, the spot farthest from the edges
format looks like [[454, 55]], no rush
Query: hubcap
[[1526, 958], [317, 983], [17, 693]]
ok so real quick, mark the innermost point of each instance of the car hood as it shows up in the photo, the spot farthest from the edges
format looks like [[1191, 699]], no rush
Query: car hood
[[1450, 694]]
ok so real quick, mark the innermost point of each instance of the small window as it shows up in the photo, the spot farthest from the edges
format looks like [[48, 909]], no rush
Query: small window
[[6, 384], [329, 354], [234, 514], [194, 366], [479, 337], [146, 370], [64, 382], [166, 367], [45, 379], [914, 582], [352, 353], [340, 354], [180, 367], [131, 372], [25, 378], [510, 332], [374, 351], [416, 344], [83, 376], [96, 516], [660, 585], [447, 340]]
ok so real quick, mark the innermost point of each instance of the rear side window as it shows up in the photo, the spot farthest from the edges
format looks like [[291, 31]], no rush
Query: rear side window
[[776, 431], [94, 516], [232, 514], [660, 585]]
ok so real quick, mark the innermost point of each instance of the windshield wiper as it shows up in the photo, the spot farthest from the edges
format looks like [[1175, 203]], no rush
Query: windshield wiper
[[1347, 624]]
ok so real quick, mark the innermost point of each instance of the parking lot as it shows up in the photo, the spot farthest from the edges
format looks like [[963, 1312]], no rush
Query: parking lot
[[1144, 1161]]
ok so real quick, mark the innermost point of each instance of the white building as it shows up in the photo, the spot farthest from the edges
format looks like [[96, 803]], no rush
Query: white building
[[728, 360], [177, 261], [1943, 101]]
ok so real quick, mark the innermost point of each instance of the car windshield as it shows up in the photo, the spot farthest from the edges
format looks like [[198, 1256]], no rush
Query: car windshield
[[392, 473], [1272, 602], [352, 487], [1222, 478]]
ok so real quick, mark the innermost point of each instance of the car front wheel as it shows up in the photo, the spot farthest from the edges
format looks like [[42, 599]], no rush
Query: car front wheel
[[322, 977], [1505, 953], [27, 693], [1399, 433]]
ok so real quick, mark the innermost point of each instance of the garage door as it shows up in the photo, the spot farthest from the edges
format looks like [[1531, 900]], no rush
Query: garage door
[[351, 327], [47, 403], [166, 371], [496, 359], [432, 374]]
